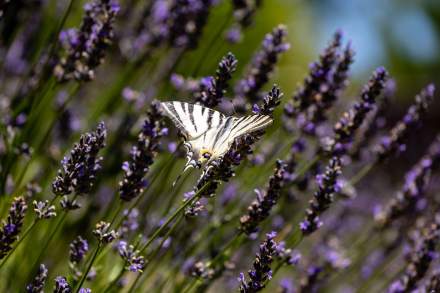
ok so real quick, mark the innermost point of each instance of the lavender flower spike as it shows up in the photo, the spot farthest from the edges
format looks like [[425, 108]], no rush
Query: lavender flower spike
[[323, 197], [395, 141], [262, 65], [419, 259], [61, 285], [85, 48], [37, 285], [318, 77], [12, 226], [134, 261], [79, 171], [142, 155], [78, 249], [260, 208], [261, 271], [416, 182], [212, 95], [350, 121], [44, 210]]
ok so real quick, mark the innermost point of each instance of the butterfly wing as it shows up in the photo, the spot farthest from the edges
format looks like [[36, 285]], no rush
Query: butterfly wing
[[234, 128], [191, 119]]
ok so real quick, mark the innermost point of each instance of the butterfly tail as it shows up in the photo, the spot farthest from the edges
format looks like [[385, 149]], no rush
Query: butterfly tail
[[189, 165]]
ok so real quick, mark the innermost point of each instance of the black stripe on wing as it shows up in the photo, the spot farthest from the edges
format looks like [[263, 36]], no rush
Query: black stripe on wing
[[249, 124], [170, 111]]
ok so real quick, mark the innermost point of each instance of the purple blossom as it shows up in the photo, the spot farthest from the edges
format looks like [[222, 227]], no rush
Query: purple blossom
[[37, 284], [11, 227], [85, 48], [394, 143], [420, 258], [79, 171], [142, 155], [263, 64], [323, 197], [78, 249], [61, 285], [213, 89], [261, 271], [134, 261], [260, 208], [412, 193]]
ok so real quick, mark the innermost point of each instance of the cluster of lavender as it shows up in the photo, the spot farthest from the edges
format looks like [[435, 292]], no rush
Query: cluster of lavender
[[211, 93], [12, 225], [37, 284], [420, 259], [85, 47], [78, 172], [395, 141], [135, 262], [177, 23], [261, 271], [323, 197], [244, 11], [351, 120], [326, 80], [262, 65], [142, 155], [260, 208], [414, 188]]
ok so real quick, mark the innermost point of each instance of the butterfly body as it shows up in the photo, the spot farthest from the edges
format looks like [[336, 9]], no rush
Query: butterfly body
[[208, 133]]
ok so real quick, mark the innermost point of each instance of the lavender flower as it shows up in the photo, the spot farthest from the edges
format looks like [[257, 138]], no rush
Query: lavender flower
[[12, 226], [395, 141], [142, 155], [244, 11], [310, 281], [416, 182], [211, 95], [419, 259], [187, 17], [86, 47], [37, 285], [260, 208], [61, 285], [263, 63], [350, 121], [135, 262], [323, 197], [44, 210], [78, 249], [261, 271], [319, 77], [78, 171], [85, 290], [103, 233]]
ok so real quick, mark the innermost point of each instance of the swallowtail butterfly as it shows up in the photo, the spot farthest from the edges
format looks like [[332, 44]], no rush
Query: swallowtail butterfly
[[208, 133]]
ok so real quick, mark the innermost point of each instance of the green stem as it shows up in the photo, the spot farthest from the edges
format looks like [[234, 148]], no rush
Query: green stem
[[25, 234], [173, 216], [86, 272]]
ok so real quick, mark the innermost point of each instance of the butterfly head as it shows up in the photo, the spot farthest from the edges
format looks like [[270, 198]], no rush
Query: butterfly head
[[205, 155]]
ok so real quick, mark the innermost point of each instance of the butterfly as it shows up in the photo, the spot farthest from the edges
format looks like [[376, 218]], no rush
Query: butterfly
[[209, 134]]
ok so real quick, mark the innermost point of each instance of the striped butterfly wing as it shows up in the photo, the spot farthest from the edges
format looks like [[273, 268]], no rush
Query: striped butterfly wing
[[234, 128], [192, 120]]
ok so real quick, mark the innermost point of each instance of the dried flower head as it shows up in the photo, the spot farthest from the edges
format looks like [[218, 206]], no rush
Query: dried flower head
[[44, 210], [103, 233]]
